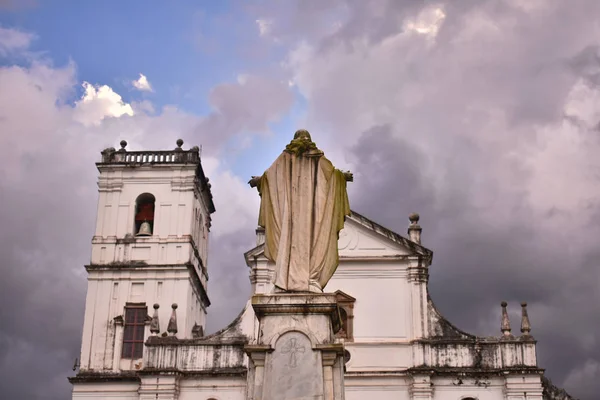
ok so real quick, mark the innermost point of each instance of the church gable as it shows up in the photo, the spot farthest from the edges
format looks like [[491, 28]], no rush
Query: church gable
[[362, 237]]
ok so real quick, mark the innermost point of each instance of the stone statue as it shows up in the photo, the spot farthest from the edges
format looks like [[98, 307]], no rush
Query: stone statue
[[303, 207]]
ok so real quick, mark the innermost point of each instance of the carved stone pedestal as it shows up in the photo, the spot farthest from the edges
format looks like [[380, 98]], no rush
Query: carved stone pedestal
[[295, 356]]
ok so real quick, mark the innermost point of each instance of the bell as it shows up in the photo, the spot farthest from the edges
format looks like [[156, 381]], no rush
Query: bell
[[145, 229]]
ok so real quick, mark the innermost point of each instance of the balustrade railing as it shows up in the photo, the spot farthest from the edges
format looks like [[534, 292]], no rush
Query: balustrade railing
[[178, 155]]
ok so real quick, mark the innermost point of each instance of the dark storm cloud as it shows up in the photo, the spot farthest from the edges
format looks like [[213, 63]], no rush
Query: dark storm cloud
[[476, 265], [42, 290], [229, 284], [485, 122]]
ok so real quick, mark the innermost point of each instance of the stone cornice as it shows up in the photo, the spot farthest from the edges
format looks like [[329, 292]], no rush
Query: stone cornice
[[220, 372], [141, 239], [470, 371], [94, 377], [286, 303], [155, 341]]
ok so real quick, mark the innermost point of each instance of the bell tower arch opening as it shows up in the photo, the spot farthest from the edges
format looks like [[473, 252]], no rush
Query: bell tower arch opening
[[144, 214]]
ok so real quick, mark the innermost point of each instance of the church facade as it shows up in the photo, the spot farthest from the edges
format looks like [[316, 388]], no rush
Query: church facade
[[147, 300]]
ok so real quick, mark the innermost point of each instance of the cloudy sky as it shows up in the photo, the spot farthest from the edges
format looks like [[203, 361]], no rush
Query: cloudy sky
[[481, 115]]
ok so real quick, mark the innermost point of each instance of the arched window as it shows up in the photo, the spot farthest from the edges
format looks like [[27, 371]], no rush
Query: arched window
[[144, 214]]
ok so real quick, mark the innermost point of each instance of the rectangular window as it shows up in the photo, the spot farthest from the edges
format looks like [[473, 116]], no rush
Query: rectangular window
[[133, 334]]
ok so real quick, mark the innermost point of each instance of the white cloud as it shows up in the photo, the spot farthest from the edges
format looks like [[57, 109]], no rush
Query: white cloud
[[12, 40], [100, 102], [31, 113], [242, 79], [264, 26], [142, 84], [427, 22]]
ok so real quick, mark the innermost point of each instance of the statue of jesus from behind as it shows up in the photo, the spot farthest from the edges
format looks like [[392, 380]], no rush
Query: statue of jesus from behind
[[303, 207]]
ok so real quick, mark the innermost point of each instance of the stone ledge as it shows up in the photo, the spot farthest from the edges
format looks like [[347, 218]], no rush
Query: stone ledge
[[298, 304], [94, 377], [220, 372], [338, 348], [301, 299], [484, 341], [294, 303], [257, 348], [154, 341], [453, 371]]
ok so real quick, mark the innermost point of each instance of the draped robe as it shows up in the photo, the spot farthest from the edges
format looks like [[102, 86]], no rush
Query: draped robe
[[303, 206]]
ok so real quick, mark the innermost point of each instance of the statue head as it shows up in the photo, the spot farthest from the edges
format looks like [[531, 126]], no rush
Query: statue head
[[301, 143], [302, 134]]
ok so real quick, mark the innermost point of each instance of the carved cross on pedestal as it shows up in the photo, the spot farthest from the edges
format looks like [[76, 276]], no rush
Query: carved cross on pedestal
[[292, 348]]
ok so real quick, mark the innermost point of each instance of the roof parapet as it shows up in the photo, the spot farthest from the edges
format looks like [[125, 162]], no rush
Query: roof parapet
[[176, 156]]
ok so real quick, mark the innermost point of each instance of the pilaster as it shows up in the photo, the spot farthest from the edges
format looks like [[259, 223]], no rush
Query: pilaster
[[159, 387], [256, 376], [418, 276], [421, 387], [523, 387]]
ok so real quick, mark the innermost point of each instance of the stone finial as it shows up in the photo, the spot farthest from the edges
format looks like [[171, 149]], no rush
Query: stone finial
[[172, 328], [525, 325], [179, 144], [123, 145], [505, 326], [414, 229], [154, 324]]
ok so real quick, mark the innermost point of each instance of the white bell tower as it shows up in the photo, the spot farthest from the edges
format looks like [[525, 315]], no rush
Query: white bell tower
[[147, 274]]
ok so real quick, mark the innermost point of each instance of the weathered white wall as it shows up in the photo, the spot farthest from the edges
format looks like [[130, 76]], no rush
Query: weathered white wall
[[381, 317], [176, 211], [444, 389], [376, 388], [109, 290], [356, 388], [162, 277], [106, 390], [390, 312], [213, 388]]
